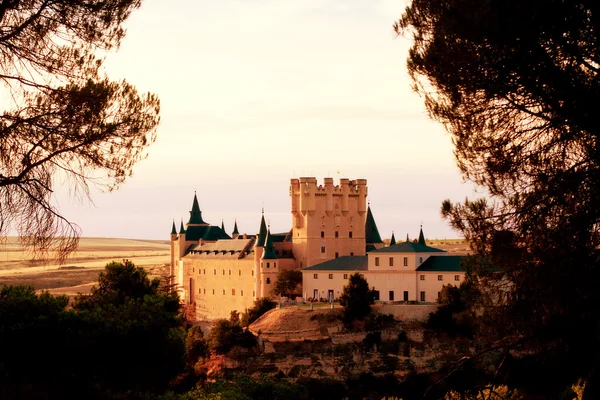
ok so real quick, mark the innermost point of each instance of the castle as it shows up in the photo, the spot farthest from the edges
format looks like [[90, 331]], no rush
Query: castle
[[333, 232]]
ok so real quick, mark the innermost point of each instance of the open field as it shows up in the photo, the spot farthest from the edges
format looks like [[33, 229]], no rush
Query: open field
[[80, 271]]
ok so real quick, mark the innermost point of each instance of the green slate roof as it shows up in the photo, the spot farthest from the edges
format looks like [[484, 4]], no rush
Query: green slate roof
[[262, 232], [181, 228], [173, 229], [393, 240], [408, 247], [442, 264], [422, 238], [223, 225], [344, 263], [269, 253], [196, 214], [371, 231], [235, 229], [205, 232]]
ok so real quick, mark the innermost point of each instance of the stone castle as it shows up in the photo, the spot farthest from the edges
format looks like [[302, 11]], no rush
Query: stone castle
[[333, 231]]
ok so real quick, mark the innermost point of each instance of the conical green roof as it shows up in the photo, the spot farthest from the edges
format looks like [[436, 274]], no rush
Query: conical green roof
[[223, 225], [269, 253], [235, 229], [407, 239], [196, 214], [262, 232], [181, 228], [392, 240], [173, 229], [371, 231], [422, 237]]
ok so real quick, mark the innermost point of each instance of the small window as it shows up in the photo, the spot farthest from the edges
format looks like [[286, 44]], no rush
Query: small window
[[391, 261], [223, 272], [241, 292], [268, 265], [253, 293], [322, 249], [330, 276], [213, 291], [215, 271], [391, 295], [351, 253], [223, 292], [457, 277], [268, 281], [229, 272], [337, 234], [377, 261], [233, 292], [315, 276], [322, 234], [376, 295], [337, 254], [204, 271], [345, 276], [274, 265], [406, 261], [422, 296], [350, 234], [422, 277], [193, 270], [204, 291], [420, 260], [199, 291], [440, 277], [240, 272], [252, 272]]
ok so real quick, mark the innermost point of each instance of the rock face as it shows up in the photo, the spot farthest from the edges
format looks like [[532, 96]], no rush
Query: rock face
[[298, 343]]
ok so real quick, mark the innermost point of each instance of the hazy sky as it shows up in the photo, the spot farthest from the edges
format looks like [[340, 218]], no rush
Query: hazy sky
[[255, 93]]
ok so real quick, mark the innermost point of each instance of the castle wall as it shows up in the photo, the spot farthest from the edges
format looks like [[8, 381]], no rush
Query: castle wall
[[220, 284]]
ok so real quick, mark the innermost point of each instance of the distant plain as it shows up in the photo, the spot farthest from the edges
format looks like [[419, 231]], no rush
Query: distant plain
[[80, 271]]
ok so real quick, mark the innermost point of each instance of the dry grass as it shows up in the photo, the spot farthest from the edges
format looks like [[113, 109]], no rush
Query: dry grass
[[18, 267]]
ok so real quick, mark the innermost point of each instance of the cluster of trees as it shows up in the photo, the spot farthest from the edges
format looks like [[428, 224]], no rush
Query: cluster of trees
[[516, 84]]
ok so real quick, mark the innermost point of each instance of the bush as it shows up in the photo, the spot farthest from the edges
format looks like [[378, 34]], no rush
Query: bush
[[226, 334], [356, 298], [260, 307]]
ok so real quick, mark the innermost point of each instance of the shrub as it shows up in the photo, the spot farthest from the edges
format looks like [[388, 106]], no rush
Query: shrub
[[260, 307]]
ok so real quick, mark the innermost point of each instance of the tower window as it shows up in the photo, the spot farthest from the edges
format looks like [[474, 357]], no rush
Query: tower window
[[315, 276], [223, 292], [420, 260], [377, 261], [422, 277], [204, 291], [330, 276], [268, 281], [350, 234], [233, 292], [213, 291], [274, 265], [323, 249], [229, 272], [240, 272], [322, 234], [215, 271], [337, 254], [223, 272], [252, 272], [406, 261], [204, 271], [337, 234], [440, 277], [391, 261], [241, 292]]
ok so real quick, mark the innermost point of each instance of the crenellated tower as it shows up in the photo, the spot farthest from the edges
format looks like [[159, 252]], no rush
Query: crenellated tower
[[328, 220]]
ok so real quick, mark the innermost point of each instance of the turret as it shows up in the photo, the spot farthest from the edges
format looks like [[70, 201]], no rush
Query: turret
[[422, 237], [262, 232], [269, 250], [393, 239], [235, 232], [196, 214], [173, 231], [222, 225], [372, 236]]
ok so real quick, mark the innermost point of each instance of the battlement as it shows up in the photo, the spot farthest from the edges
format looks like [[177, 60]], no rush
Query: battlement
[[306, 194], [345, 185]]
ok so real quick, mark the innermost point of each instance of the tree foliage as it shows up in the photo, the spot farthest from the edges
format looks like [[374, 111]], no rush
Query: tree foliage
[[287, 282], [110, 344], [356, 298], [260, 306], [62, 119], [516, 84], [227, 333]]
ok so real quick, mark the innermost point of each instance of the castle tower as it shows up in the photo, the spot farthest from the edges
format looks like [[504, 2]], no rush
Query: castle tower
[[259, 246], [196, 214], [235, 232], [268, 266], [373, 238], [327, 221]]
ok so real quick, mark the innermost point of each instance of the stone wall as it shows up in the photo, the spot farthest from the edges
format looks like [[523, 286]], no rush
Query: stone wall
[[406, 312]]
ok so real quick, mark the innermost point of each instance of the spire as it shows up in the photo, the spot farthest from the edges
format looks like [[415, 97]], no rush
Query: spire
[[371, 231], [181, 228], [235, 229], [196, 214], [422, 237], [407, 239], [393, 239], [262, 232], [222, 225], [269, 252], [173, 229]]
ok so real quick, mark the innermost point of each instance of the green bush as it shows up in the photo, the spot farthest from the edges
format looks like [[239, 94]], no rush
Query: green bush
[[261, 306]]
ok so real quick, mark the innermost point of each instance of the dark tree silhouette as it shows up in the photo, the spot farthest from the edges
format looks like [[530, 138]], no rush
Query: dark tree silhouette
[[356, 298], [61, 118], [287, 282], [516, 84]]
